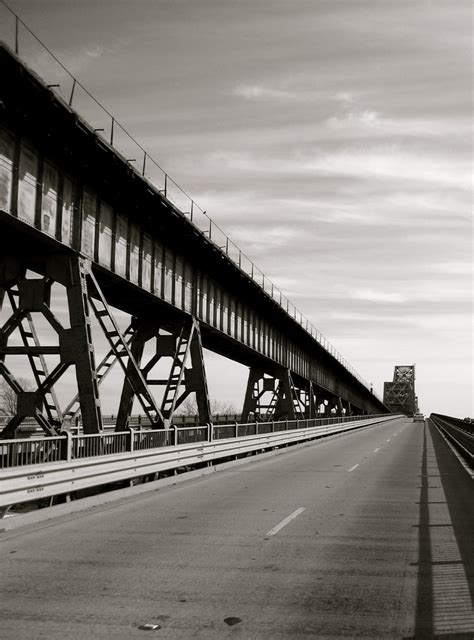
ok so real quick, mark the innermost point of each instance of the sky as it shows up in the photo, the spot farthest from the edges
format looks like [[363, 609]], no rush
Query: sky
[[332, 141]]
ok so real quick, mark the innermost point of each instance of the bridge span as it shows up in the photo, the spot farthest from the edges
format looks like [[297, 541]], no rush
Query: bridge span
[[76, 214], [366, 535]]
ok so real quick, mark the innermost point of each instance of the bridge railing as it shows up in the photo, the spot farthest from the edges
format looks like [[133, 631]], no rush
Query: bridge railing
[[33, 451], [28, 451], [24, 42], [459, 432]]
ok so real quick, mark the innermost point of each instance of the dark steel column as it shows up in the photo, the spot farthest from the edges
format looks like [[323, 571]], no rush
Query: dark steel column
[[77, 347]]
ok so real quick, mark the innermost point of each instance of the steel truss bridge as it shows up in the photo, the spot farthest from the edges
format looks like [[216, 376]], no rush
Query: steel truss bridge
[[75, 213]]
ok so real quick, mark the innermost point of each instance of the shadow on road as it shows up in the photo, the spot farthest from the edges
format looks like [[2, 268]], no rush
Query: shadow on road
[[458, 489]]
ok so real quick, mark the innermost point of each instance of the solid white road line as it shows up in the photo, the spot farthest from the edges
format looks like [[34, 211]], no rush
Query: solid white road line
[[286, 521], [352, 468]]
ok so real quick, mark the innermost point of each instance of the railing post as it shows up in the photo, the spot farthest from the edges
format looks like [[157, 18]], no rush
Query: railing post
[[130, 439], [273, 426], [236, 430], [16, 36], [210, 431], [72, 91], [66, 446], [175, 434]]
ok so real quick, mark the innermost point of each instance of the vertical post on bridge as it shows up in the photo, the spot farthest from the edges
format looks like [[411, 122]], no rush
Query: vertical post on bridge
[[137, 346], [77, 347], [283, 400], [17, 48]]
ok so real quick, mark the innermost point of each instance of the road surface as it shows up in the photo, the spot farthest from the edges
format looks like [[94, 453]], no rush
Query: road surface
[[366, 535]]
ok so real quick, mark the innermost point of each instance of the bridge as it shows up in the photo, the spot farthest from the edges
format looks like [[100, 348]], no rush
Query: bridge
[[75, 213], [320, 511]]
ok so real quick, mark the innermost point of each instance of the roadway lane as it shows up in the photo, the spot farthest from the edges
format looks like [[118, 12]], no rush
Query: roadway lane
[[331, 540]]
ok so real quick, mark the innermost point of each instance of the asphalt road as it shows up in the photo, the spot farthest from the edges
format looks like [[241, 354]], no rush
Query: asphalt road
[[368, 535]]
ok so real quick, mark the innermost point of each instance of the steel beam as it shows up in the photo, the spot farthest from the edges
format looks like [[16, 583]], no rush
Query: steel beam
[[285, 402], [188, 350], [121, 350], [77, 347]]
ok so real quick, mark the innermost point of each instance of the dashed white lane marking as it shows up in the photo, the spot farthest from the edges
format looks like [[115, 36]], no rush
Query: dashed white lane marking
[[286, 521], [352, 468], [378, 449], [388, 440]]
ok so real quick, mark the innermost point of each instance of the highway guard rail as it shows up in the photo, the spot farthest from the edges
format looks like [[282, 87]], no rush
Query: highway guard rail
[[35, 468], [459, 432]]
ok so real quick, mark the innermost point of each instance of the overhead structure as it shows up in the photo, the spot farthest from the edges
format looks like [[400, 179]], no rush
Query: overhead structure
[[76, 216], [399, 395]]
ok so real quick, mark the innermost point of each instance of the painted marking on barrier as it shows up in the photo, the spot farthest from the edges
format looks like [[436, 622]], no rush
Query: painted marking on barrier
[[286, 521], [352, 468], [378, 449]]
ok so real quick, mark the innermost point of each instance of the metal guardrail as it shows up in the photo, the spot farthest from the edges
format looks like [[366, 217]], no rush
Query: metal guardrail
[[459, 432], [29, 427], [27, 480], [67, 447], [72, 93]]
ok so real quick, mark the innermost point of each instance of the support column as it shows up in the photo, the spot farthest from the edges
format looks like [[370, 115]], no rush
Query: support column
[[252, 393], [77, 347], [311, 405], [28, 295], [137, 346], [193, 378], [334, 403], [284, 402], [285, 409]]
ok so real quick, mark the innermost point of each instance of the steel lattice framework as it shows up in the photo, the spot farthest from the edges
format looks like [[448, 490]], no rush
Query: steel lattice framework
[[399, 395], [75, 214]]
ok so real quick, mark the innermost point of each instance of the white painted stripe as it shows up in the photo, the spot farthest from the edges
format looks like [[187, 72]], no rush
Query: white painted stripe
[[378, 449], [388, 440], [286, 521], [352, 468]]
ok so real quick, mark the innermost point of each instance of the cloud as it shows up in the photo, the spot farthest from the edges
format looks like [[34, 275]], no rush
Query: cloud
[[354, 119], [370, 123], [449, 268], [392, 162], [258, 92], [84, 57], [373, 295], [346, 97]]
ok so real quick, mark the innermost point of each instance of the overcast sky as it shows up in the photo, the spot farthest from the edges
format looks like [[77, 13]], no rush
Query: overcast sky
[[330, 138]]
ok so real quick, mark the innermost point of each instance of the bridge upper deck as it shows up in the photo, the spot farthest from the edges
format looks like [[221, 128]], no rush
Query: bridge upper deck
[[75, 192]]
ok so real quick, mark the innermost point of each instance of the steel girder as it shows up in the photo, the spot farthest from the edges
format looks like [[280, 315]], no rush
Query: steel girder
[[275, 396], [399, 395], [75, 347], [187, 373]]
